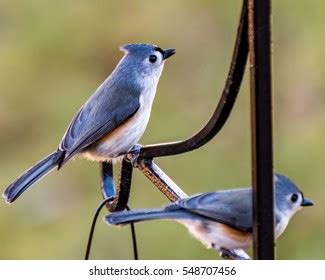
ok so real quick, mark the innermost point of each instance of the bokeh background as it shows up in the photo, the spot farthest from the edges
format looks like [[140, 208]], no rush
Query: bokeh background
[[53, 54]]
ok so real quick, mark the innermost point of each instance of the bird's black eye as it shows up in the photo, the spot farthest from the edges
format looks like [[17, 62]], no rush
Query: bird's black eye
[[294, 197], [152, 58]]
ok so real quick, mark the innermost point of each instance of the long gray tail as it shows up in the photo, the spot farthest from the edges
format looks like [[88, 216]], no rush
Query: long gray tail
[[30, 177], [125, 217]]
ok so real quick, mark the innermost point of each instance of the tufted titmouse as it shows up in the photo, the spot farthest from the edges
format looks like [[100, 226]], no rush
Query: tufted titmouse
[[113, 119], [222, 220]]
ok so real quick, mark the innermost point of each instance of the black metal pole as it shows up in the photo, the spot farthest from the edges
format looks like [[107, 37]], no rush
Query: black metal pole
[[259, 37]]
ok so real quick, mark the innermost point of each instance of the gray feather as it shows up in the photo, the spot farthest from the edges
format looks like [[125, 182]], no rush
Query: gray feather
[[212, 206], [125, 217], [113, 103], [215, 206], [30, 176]]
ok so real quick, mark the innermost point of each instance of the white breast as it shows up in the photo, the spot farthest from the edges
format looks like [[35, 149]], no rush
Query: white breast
[[123, 138], [281, 226], [211, 233]]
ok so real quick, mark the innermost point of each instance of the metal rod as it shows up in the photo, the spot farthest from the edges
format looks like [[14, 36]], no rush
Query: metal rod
[[124, 184], [224, 107], [259, 33], [160, 180]]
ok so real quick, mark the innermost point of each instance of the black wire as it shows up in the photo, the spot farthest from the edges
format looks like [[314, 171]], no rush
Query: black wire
[[134, 239], [92, 229]]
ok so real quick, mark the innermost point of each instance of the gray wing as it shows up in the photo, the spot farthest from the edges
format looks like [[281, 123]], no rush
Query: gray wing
[[232, 207], [111, 105]]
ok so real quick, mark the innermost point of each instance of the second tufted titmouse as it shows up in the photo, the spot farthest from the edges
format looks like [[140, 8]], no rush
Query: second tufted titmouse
[[113, 119], [223, 220]]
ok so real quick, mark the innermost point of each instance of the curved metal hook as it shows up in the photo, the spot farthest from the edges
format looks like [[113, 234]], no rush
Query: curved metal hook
[[224, 107]]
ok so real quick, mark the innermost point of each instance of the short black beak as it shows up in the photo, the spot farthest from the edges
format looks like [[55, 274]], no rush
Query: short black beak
[[307, 202], [168, 52]]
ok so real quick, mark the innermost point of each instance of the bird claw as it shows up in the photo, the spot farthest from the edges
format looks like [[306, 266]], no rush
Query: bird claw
[[133, 154], [234, 254]]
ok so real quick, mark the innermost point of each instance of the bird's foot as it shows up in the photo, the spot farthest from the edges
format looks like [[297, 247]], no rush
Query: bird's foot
[[133, 154], [234, 254]]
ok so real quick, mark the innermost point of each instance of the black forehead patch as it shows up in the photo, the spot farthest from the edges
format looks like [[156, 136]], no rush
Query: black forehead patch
[[159, 50]]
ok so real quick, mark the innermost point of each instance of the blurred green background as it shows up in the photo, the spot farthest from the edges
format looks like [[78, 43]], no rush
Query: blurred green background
[[54, 54]]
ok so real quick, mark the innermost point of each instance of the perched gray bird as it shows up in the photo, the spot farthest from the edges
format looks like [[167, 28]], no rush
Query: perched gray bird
[[113, 119], [222, 220]]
